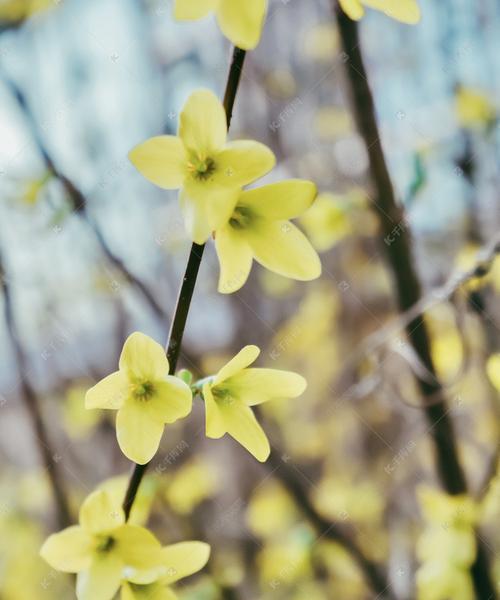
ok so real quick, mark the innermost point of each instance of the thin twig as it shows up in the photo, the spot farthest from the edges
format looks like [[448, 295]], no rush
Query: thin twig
[[399, 254], [78, 200], [30, 398], [189, 281]]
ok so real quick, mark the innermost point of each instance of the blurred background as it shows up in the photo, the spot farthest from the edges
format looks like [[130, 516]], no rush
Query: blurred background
[[90, 251]]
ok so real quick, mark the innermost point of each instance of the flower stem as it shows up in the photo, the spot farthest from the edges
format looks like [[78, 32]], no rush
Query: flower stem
[[408, 287], [189, 281]]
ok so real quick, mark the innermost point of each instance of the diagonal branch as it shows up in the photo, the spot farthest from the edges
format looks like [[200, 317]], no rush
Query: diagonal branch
[[29, 396], [327, 529], [399, 255], [78, 200]]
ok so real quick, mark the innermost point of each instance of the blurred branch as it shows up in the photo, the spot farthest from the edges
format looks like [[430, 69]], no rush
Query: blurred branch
[[29, 396], [78, 200], [399, 254], [375, 579], [189, 281], [481, 268]]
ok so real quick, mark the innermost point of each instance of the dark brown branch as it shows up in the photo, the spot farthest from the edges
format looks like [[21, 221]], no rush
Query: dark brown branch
[[30, 398], [373, 576], [189, 281], [399, 255]]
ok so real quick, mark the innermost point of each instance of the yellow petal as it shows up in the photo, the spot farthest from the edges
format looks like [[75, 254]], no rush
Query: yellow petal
[[207, 205], [406, 11], [281, 247], [214, 425], [203, 125], [138, 432], [242, 22], [140, 553], [102, 580], [241, 424], [352, 8], [184, 559], [69, 550], [162, 160], [195, 217], [493, 370], [235, 259], [242, 162], [190, 10], [283, 200], [144, 359], [172, 400], [100, 514], [255, 386], [109, 393], [245, 357]]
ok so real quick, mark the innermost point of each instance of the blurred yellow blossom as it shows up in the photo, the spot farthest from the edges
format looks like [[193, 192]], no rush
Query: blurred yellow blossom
[[259, 228], [321, 42], [271, 511], [144, 395], [231, 393], [473, 108], [209, 170], [493, 370], [193, 483], [77, 420], [327, 221], [241, 21], [18, 10], [103, 550], [447, 546]]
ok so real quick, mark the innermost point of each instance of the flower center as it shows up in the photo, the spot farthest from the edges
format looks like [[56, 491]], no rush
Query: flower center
[[143, 391], [241, 217], [223, 396], [105, 544], [201, 168]]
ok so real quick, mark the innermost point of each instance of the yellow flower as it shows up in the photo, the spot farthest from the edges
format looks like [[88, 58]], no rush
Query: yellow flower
[[104, 550], [473, 108], [17, 10], [209, 170], [493, 370], [406, 11], [327, 222], [230, 394], [180, 560], [145, 396], [258, 228], [241, 21]]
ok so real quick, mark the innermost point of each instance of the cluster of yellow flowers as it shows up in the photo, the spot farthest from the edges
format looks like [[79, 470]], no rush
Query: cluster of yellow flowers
[[107, 552], [447, 547]]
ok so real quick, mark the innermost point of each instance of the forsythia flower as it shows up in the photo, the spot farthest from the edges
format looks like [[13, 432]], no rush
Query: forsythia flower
[[406, 11], [230, 394], [145, 396], [259, 228], [241, 21], [180, 560], [474, 108], [493, 370], [210, 171], [447, 547], [104, 550]]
